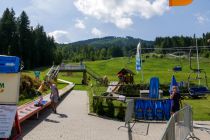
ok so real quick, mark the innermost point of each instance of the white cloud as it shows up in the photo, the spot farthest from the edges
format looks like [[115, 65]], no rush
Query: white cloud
[[50, 6], [60, 36], [44, 11], [201, 18], [96, 32], [120, 12], [80, 24]]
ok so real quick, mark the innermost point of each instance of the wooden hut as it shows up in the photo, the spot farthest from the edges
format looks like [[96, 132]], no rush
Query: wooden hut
[[126, 76]]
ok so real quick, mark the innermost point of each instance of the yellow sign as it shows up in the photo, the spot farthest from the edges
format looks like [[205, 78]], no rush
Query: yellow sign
[[179, 2]]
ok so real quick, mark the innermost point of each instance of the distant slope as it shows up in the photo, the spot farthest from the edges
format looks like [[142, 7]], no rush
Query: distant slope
[[112, 41], [101, 48]]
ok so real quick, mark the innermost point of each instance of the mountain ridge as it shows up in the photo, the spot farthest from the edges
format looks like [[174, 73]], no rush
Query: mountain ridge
[[112, 41]]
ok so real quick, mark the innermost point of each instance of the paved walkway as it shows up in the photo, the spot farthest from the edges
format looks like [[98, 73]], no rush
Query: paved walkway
[[73, 123], [202, 129]]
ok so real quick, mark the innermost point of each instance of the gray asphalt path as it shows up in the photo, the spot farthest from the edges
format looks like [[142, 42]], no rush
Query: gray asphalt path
[[73, 123]]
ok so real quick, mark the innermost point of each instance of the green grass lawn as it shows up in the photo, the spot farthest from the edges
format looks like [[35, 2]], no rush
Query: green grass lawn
[[159, 67], [201, 108]]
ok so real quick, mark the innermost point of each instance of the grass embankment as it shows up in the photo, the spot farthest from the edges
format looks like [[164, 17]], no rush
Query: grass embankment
[[159, 67]]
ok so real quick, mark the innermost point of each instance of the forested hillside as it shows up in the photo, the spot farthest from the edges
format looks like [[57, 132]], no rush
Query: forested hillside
[[108, 47], [31, 44], [181, 41], [102, 48]]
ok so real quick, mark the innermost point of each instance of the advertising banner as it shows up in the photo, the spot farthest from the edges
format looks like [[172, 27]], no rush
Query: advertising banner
[[7, 116], [9, 88]]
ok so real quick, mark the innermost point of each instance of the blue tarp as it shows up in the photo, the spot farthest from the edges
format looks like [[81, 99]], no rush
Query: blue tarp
[[139, 109], [154, 88], [159, 110], [149, 110], [152, 109], [167, 109]]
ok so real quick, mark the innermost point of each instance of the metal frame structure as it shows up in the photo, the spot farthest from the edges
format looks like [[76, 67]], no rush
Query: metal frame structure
[[180, 125], [198, 77]]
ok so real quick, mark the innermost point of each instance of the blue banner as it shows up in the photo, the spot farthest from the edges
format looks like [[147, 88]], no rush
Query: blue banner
[[138, 63]]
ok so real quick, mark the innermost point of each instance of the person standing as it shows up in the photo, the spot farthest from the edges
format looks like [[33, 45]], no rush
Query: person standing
[[175, 97], [54, 96]]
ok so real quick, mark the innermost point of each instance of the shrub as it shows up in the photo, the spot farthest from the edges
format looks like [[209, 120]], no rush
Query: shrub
[[99, 107], [206, 54], [121, 113], [28, 86], [147, 56], [110, 111], [161, 56]]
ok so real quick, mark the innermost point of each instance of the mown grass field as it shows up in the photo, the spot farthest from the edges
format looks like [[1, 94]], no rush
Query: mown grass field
[[159, 67]]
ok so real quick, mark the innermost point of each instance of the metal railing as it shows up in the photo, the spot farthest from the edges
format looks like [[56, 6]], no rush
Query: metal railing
[[52, 73], [72, 67], [180, 125]]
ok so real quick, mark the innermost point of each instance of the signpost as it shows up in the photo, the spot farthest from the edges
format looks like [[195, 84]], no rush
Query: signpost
[[37, 74], [9, 95]]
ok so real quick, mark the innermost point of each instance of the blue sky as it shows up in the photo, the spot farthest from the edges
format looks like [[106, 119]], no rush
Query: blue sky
[[73, 20]]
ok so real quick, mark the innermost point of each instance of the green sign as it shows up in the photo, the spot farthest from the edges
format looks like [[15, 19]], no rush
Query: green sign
[[37, 74]]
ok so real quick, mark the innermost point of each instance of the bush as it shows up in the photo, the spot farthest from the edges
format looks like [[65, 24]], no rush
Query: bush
[[132, 90], [99, 107], [121, 113], [206, 54], [147, 56], [28, 87], [162, 56], [110, 111]]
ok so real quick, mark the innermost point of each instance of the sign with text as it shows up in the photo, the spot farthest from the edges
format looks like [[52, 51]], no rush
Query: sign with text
[[9, 88], [179, 2], [7, 116]]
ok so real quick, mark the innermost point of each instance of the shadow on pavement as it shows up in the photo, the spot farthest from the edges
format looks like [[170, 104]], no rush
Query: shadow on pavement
[[32, 122], [50, 120], [62, 115]]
